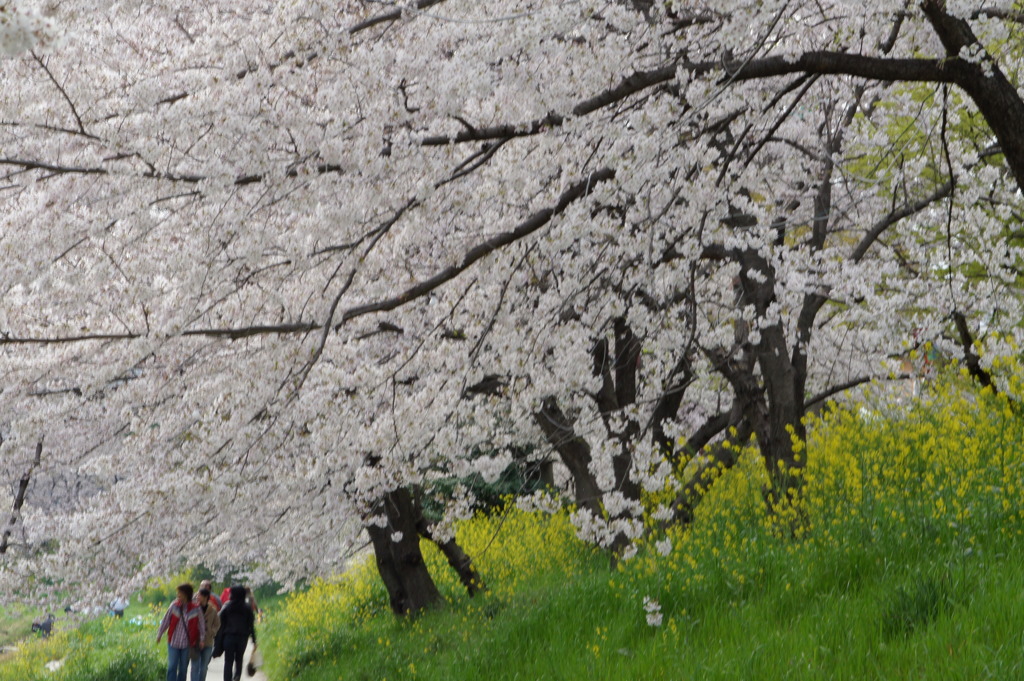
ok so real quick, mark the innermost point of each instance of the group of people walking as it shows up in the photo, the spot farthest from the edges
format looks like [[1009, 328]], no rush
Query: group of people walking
[[205, 627]]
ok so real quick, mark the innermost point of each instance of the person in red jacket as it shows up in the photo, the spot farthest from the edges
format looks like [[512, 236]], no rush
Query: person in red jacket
[[186, 629]]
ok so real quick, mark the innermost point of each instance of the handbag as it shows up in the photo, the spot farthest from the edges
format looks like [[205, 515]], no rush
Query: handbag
[[255, 660], [193, 653]]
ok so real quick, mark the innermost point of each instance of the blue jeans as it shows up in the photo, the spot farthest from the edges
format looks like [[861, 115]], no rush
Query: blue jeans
[[177, 663], [201, 664]]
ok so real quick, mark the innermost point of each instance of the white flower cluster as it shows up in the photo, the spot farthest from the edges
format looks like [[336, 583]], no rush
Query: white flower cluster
[[653, 611], [597, 530], [541, 500], [490, 468], [302, 271], [23, 27], [976, 54]]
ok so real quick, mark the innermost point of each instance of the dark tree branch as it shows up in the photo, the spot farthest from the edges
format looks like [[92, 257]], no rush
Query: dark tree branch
[[838, 63], [605, 396], [1013, 15], [529, 226], [971, 358], [7, 339], [256, 330], [26, 165], [985, 82], [63, 92], [895, 216], [716, 462], [19, 498], [627, 361], [668, 405], [457, 558], [229, 333], [821, 63], [819, 398], [712, 428], [386, 17], [535, 222], [630, 85], [572, 449]]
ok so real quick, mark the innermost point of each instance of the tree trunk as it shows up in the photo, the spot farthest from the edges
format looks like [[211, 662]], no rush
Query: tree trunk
[[399, 560], [19, 498], [457, 558], [574, 452], [773, 409], [718, 460], [387, 567], [462, 564], [993, 93], [785, 416]]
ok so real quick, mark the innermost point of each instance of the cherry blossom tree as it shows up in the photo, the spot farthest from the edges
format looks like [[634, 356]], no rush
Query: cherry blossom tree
[[272, 269]]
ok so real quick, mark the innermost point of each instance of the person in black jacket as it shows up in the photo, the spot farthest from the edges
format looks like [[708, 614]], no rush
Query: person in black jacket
[[237, 625]]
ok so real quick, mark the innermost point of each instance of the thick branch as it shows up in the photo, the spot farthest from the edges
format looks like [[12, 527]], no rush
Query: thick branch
[[840, 64], [985, 82], [605, 396], [457, 557], [572, 449], [971, 358], [230, 333], [819, 398], [630, 85], [627, 361], [482, 250], [386, 17], [895, 216], [712, 427], [836, 63], [257, 330], [240, 181], [668, 404], [814, 301], [26, 164], [1013, 15], [717, 461], [19, 498]]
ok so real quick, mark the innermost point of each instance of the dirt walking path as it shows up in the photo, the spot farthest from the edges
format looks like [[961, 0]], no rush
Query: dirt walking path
[[216, 670]]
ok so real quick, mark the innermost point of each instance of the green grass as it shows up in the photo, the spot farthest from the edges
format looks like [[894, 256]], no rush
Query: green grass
[[15, 624], [104, 649], [100, 649], [927, 620], [905, 562]]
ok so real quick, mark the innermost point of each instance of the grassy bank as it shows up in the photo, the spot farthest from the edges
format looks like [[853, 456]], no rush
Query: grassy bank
[[901, 560], [15, 624], [101, 648], [104, 649]]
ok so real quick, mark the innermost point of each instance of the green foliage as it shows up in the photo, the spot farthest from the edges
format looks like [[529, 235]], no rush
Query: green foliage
[[15, 624], [914, 607], [908, 565], [160, 592], [105, 649], [520, 478]]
